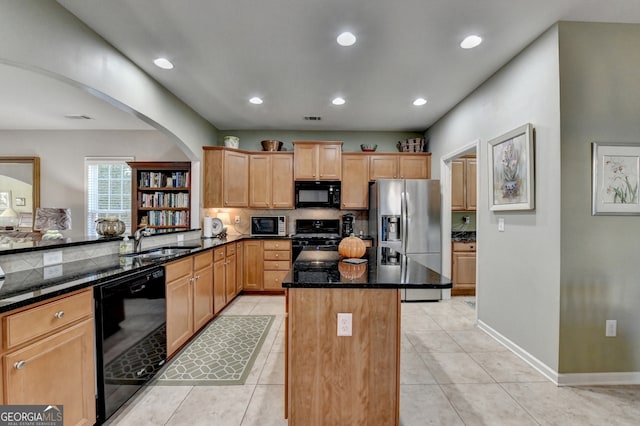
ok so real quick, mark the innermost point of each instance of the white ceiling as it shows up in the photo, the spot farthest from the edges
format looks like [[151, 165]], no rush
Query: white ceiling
[[285, 52]]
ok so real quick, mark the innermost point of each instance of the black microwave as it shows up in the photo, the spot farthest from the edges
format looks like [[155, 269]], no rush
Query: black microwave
[[318, 194]]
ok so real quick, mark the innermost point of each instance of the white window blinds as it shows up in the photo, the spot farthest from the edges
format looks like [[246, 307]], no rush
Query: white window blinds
[[108, 190]]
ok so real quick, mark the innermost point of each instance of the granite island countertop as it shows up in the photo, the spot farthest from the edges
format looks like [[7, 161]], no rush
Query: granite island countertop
[[383, 268]]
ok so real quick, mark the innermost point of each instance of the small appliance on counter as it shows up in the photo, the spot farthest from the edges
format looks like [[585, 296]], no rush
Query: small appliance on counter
[[347, 224], [268, 226]]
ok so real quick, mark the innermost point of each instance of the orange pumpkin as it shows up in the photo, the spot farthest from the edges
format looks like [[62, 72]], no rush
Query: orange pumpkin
[[353, 272], [352, 246]]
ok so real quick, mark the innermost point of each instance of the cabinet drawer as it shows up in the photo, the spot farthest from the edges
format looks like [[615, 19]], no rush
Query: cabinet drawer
[[277, 255], [26, 325], [277, 245], [178, 269], [277, 265], [231, 249], [202, 260], [219, 254], [273, 279], [464, 246]]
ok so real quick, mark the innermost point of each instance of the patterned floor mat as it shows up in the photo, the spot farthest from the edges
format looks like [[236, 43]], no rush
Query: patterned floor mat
[[222, 354]]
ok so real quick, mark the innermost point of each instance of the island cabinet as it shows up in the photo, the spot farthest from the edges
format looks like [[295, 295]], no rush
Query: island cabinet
[[317, 160], [463, 184], [161, 195], [271, 180], [463, 268], [190, 297], [225, 177], [400, 166], [342, 380], [48, 356], [355, 181]]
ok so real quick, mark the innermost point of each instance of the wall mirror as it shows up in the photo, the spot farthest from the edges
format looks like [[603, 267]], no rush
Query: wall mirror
[[19, 190]]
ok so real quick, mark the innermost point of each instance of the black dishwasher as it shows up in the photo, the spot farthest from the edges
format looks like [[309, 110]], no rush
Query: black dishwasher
[[131, 339]]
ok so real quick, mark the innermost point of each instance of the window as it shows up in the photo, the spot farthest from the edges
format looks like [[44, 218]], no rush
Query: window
[[108, 190]]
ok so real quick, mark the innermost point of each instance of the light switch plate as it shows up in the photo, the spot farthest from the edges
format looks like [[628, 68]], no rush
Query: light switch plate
[[52, 258], [501, 224]]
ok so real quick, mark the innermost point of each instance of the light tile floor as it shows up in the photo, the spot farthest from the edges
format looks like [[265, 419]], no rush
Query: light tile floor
[[451, 374]]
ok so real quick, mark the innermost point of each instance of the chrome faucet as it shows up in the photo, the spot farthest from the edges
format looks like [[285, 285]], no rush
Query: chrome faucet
[[137, 238]]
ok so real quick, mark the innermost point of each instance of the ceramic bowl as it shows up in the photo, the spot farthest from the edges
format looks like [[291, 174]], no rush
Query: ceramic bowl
[[368, 147]]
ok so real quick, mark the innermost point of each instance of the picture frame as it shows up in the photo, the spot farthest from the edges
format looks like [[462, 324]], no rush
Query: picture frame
[[5, 199], [20, 201], [615, 176], [511, 170]]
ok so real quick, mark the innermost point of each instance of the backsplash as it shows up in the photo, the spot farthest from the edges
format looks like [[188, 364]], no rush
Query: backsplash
[[361, 222], [458, 224]]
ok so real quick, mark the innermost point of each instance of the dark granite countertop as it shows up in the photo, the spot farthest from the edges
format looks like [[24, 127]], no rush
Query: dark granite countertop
[[29, 286], [384, 268], [463, 236]]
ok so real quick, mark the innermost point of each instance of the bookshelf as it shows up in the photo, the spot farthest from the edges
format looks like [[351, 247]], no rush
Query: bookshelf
[[161, 195]]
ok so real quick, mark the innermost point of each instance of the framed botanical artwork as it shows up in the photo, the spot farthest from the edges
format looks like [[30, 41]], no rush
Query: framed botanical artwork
[[615, 177], [511, 173], [5, 199]]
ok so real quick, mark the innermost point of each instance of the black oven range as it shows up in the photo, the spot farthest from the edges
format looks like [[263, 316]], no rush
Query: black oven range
[[315, 234]]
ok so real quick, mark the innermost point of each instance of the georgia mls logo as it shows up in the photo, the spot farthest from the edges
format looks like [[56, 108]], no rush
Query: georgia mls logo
[[31, 415]]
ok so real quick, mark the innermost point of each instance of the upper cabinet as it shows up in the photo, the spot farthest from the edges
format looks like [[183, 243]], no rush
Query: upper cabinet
[[400, 166], [317, 160], [355, 181], [161, 194], [225, 178], [463, 184], [271, 180]]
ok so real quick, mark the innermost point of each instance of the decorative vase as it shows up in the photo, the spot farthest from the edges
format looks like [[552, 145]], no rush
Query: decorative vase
[[231, 141], [110, 226]]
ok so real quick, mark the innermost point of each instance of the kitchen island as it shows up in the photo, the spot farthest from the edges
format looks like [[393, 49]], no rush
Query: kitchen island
[[347, 371]]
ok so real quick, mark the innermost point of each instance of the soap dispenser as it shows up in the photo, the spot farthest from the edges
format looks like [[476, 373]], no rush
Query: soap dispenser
[[125, 245]]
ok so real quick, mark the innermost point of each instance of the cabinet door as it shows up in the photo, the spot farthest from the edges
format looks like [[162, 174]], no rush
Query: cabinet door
[[179, 303], [202, 296], [355, 181], [239, 267], [470, 174], [230, 275], [236, 179], [458, 195], [329, 161], [260, 181], [281, 181], [383, 167], [464, 273], [413, 166], [57, 370], [253, 265], [219, 277], [305, 161]]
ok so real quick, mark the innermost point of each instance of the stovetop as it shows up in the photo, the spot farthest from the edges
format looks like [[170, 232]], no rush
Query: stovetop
[[317, 231]]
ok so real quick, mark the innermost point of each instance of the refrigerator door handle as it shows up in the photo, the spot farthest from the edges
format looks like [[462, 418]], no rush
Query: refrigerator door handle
[[403, 221]]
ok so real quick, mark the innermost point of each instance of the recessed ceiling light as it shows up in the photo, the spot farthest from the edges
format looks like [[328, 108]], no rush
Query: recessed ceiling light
[[346, 39], [420, 101], [471, 41], [338, 101], [163, 63], [255, 100]]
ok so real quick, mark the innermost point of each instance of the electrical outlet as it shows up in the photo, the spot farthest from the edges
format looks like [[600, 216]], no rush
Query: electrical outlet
[[180, 238], [52, 258], [237, 219], [611, 328], [344, 324], [466, 219]]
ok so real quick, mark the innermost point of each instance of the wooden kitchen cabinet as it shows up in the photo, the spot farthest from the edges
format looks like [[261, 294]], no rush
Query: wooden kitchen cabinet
[[463, 184], [463, 268], [317, 160], [252, 271], [230, 273], [219, 278], [277, 262], [400, 166], [190, 293], [225, 177], [355, 181], [48, 357], [239, 267], [271, 180]]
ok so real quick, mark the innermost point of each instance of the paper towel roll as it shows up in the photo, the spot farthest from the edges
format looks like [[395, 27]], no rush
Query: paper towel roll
[[208, 227]]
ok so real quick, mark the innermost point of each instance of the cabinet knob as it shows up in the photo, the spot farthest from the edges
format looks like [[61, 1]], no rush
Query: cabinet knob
[[59, 314], [277, 255], [20, 365]]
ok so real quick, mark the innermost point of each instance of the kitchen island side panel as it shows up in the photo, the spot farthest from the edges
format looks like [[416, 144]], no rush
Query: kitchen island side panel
[[343, 379]]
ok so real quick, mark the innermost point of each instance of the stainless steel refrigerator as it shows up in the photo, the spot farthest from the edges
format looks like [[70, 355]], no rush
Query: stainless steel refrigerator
[[404, 215]]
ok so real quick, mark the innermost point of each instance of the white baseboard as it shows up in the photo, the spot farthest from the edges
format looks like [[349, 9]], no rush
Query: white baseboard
[[573, 379]]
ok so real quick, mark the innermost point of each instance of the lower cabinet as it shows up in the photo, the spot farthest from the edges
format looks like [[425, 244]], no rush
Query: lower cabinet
[[239, 267], [463, 265], [253, 263], [224, 279], [51, 359], [277, 262], [189, 284]]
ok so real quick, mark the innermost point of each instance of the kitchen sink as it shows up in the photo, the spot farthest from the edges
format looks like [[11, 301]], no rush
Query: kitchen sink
[[160, 252]]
